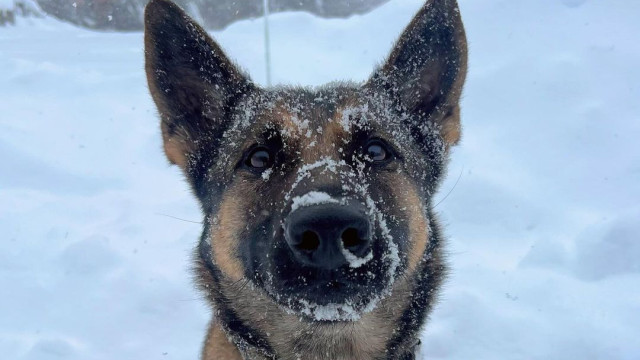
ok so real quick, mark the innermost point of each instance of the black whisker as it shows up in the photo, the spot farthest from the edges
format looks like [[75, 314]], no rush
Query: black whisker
[[450, 191], [177, 218]]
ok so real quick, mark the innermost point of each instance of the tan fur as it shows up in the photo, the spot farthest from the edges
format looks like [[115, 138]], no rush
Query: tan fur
[[451, 127], [225, 232], [325, 144], [408, 196], [314, 143], [334, 130], [217, 346], [289, 121], [175, 150]]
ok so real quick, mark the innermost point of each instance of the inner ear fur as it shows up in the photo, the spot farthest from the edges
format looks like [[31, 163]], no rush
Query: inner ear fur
[[192, 82], [426, 69]]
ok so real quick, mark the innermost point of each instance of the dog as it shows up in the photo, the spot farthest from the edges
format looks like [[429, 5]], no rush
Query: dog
[[320, 240]]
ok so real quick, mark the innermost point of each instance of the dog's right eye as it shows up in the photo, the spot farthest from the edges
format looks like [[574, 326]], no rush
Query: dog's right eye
[[378, 151], [259, 158]]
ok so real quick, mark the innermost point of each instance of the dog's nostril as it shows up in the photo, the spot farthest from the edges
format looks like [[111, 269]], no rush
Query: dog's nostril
[[309, 242], [350, 238]]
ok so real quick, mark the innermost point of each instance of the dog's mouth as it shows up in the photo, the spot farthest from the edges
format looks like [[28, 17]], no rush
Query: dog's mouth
[[342, 293]]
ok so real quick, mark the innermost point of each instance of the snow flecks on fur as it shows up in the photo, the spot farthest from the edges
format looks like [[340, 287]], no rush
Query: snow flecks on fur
[[346, 311], [327, 163], [353, 260], [213, 223], [312, 198], [354, 180], [291, 116], [354, 117], [330, 312], [392, 254], [267, 174]]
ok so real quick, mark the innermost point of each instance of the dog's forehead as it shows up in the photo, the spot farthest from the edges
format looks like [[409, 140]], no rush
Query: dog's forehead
[[307, 116], [302, 114]]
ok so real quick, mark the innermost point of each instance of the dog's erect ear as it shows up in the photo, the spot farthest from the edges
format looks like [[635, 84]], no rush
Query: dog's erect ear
[[427, 67], [192, 82]]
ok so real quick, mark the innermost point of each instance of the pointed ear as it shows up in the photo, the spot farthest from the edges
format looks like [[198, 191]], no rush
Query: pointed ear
[[427, 67], [192, 82]]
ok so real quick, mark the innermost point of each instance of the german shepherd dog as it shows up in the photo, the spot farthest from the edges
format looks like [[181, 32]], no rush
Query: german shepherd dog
[[320, 240]]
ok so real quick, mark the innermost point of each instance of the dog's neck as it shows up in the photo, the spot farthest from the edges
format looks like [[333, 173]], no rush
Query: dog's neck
[[339, 342], [276, 334]]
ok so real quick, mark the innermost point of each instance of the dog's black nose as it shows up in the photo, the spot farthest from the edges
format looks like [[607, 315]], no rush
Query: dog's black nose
[[318, 235]]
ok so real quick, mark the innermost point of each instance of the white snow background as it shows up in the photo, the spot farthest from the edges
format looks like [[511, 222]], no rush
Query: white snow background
[[543, 224]]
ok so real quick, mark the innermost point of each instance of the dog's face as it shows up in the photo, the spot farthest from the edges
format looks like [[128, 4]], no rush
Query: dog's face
[[317, 197], [323, 198]]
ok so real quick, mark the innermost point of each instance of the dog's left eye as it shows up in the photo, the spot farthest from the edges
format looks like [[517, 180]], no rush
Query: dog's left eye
[[259, 158], [377, 151]]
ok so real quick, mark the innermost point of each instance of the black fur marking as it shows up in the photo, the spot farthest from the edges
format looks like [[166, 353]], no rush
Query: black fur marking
[[204, 158]]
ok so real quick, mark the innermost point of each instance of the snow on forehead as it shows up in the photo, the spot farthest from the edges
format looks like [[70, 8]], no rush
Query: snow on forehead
[[299, 107]]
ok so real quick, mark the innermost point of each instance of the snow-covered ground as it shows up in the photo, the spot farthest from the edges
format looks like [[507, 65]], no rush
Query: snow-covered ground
[[544, 223]]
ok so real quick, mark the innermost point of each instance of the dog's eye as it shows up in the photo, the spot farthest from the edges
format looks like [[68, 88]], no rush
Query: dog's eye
[[259, 158], [377, 151]]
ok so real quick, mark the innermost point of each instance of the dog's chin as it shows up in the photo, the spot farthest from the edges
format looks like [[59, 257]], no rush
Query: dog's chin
[[331, 308], [314, 294], [331, 302]]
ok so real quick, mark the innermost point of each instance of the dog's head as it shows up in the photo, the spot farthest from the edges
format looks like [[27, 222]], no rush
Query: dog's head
[[319, 197]]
